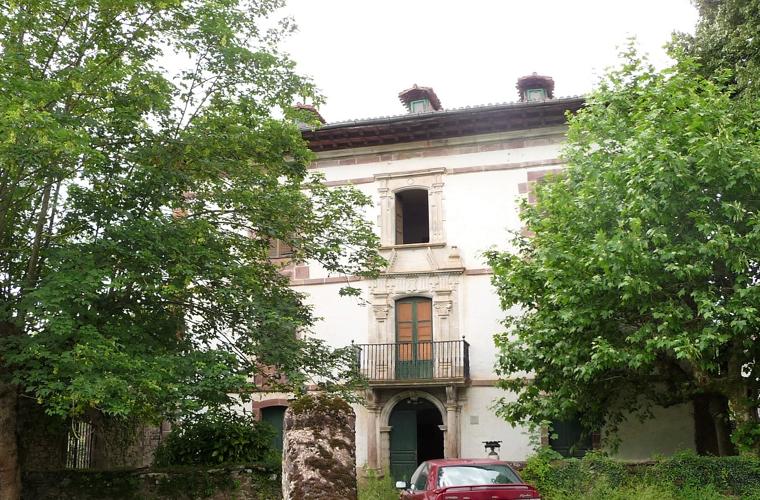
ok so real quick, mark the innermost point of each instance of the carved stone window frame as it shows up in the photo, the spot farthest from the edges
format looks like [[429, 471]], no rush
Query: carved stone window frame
[[442, 288], [430, 180]]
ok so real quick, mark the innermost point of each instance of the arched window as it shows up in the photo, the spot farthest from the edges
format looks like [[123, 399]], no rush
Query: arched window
[[412, 219]]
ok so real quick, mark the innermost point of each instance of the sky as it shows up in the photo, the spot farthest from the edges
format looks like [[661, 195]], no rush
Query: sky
[[362, 53]]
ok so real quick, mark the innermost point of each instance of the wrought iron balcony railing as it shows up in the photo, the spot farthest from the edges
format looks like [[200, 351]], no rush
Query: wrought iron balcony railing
[[445, 360]]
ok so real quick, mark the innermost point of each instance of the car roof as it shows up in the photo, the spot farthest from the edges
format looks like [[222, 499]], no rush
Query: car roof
[[442, 462]]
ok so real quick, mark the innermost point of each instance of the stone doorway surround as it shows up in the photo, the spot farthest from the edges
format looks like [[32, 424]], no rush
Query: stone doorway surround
[[379, 406], [442, 288]]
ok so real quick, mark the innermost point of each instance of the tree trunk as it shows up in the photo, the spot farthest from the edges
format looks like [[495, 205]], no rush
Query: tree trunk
[[744, 407], [718, 409], [705, 438], [10, 472]]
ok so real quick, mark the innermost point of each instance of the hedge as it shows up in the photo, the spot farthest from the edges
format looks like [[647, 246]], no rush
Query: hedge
[[685, 475]]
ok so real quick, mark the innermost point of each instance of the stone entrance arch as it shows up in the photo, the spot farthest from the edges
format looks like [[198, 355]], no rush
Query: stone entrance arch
[[450, 427]]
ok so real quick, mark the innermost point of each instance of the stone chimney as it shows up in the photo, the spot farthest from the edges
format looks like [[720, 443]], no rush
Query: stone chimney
[[535, 88], [420, 99]]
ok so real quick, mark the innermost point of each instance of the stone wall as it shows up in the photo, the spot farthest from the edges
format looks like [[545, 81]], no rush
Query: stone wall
[[42, 438], [116, 444], [240, 483], [122, 444]]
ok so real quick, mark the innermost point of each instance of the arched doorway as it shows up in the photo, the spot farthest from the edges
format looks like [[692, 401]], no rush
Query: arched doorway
[[415, 436]]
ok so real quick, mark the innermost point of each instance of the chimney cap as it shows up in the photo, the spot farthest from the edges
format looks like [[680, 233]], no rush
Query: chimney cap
[[416, 93], [311, 109], [535, 81]]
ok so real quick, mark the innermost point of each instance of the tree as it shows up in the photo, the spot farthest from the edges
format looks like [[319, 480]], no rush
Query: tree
[[726, 39], [640, 283], [137, 205]]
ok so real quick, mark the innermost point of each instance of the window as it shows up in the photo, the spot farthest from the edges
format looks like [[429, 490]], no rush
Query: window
[[419, 478], [568, 438], [419, 106], [418, 194], [412, 219], [279, 249], [472, 475], [535, 94]]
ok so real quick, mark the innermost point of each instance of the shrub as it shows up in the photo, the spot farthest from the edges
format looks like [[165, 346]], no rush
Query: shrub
[[684, 476], [551, 474], [738, 475], [643, 491], [219, 437], [373, 487]]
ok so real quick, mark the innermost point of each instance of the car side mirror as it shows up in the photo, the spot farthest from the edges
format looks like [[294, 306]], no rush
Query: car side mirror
[[400, 485]]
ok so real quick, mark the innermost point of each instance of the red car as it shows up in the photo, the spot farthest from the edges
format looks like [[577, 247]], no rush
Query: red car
[[466, 479]]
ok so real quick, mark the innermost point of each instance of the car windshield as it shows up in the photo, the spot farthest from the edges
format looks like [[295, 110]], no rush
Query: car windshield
[[470, 475]]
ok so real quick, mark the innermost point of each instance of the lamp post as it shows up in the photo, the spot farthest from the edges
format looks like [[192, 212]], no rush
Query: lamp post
[[491, 448]]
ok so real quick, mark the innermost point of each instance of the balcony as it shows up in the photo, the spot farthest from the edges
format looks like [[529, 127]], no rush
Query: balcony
[[429, 363]]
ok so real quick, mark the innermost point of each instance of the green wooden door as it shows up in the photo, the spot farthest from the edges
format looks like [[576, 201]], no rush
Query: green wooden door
[[403, 443], [274, 416], [414, 338]]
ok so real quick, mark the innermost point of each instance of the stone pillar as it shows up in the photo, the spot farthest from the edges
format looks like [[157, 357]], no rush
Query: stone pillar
[[435, 201], [319, 449], [380, 308], [385, 447], [387, 214], [451, 443], [443, 305], [373, 414]]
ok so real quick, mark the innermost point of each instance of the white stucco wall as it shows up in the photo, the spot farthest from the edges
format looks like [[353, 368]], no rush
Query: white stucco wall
[[342, 319], [478, 423], [481, 208], [671, 430], [481, 316], [516, 155]]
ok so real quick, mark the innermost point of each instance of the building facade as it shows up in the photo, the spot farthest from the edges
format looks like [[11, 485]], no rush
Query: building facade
[[446, 186]]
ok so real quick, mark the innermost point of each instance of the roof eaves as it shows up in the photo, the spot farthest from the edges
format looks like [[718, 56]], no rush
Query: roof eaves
[[447, 112]]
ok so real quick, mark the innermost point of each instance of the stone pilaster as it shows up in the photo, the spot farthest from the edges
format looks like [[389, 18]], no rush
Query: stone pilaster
[[451, 442]]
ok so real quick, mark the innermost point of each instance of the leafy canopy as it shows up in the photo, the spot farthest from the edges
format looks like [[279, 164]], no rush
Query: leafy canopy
[[137, 204], [726, 38], [639, 284]]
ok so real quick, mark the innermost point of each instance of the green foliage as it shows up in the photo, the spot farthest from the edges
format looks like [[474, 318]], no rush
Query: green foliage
[[726, 40], [219, 437], [137, 206], [739, 475], [639, 284], [550, 473], [603, 491], [180, 483], [685, 476], [538, 468], [372, 487]]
